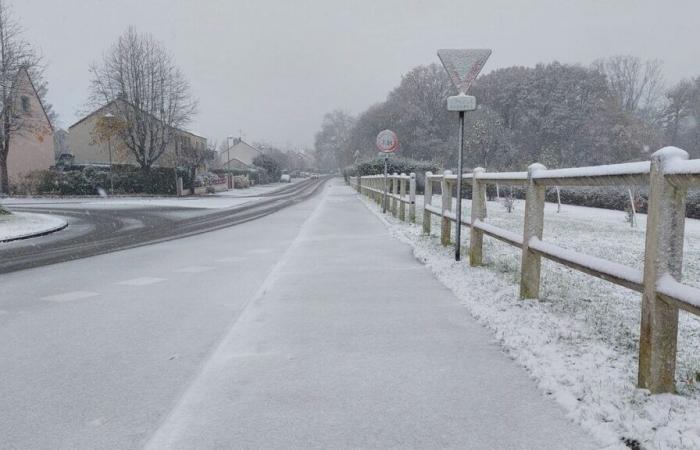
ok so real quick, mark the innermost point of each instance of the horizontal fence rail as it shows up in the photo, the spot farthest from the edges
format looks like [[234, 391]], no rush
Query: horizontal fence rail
[[668, 175]]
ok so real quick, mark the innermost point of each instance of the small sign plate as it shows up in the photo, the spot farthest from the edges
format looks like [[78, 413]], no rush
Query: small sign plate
[[387, 141], [461, 103]]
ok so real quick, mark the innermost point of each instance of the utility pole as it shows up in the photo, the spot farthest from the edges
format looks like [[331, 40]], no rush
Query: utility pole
[[109, 117]]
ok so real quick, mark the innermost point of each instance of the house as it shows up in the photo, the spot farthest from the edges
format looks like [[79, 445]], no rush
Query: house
[[239, 156], [87, 148], [31, 146]]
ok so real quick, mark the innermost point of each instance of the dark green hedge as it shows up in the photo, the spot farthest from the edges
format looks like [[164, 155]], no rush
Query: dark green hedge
[[609, 198], [90, 179]]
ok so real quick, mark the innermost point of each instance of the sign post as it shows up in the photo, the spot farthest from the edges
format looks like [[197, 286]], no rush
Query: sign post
[[462, 66], [387, 142]]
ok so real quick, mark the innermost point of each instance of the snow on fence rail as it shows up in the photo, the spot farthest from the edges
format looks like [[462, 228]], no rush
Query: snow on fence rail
[[669, 174], [398, 196]]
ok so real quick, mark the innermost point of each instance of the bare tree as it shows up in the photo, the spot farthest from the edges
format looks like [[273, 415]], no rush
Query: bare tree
[[145, 89], [637, 86], [16, 55]]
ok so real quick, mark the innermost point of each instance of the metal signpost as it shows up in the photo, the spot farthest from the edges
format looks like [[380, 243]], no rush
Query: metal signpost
[[387, 142], [462, 66]]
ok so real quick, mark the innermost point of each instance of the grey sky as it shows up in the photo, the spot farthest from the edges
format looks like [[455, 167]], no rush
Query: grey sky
[[273, 68]]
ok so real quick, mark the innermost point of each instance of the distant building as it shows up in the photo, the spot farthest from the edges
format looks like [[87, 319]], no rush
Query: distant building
[[87, 149], [239, 156], [31, 147]]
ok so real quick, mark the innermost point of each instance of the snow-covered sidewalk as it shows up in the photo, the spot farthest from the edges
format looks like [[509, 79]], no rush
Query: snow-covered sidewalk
[[352, 343], [22, 225]]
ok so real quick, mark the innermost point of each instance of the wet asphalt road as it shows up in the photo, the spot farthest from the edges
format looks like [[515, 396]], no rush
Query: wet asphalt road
[[96, 231]]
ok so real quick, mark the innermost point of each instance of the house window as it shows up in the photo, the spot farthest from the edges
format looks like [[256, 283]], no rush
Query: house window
[[25, 104]]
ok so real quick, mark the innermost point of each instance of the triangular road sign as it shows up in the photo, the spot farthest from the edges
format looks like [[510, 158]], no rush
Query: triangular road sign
[[463, 65]]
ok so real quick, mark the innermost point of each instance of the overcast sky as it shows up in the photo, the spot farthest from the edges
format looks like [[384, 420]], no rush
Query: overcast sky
[[273, 68]]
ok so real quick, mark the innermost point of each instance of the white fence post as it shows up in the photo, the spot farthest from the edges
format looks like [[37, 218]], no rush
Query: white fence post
[[402, 196], [446, 231], [534, 222], [378, 186], [359, 184], [395, 191], [427, 200], [478, 212], [663, 256], [412, 198]]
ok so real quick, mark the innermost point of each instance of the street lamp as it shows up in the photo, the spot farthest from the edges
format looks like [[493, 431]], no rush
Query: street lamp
[[108, 117], [229, 140]]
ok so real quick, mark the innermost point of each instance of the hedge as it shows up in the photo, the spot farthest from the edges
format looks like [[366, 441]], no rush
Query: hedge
[[88, 180], [616, 198]]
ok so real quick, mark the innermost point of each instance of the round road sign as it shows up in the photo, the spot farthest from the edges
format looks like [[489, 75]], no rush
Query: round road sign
[[387, 141]]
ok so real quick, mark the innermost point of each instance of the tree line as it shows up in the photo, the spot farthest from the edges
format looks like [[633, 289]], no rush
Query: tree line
[[617, 109]]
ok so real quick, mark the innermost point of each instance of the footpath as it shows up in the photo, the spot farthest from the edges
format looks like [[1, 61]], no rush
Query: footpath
[[351, 343]]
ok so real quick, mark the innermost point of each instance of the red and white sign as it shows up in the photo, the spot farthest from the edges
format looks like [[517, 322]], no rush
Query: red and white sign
[[387, 141]]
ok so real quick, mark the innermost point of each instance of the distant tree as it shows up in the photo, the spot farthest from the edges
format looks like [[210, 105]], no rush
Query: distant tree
[[192, 156], [275, 153], [681, 116], [16, 54], [149, 92], [332, 143], [419, 115], [637, 86], [678, 110], [269, 165], [486, 139]]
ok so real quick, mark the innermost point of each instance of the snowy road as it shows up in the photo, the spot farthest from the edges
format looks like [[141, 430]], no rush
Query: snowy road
[[277, 333], [97, 227]]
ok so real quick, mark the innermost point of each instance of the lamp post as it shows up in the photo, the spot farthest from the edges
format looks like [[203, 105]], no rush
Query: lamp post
[[108, 117], [229, 139]]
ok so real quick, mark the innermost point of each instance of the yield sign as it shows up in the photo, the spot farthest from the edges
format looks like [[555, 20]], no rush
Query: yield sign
[[463, 65]]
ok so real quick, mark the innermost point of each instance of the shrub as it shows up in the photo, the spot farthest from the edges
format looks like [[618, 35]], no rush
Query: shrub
[[270, 167], [241, 182], [399, 165], [87, 180]]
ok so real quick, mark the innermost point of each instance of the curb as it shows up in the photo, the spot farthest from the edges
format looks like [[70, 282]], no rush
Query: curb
[[37, 234]]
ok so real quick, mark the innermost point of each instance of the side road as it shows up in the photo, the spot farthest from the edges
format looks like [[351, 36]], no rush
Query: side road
[[340, 349]]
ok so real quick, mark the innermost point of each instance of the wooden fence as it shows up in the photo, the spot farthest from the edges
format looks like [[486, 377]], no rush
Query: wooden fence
[[668, 176]]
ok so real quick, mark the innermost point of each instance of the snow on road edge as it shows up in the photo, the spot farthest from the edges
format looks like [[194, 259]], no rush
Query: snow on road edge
[[21, 225], [593, 380]]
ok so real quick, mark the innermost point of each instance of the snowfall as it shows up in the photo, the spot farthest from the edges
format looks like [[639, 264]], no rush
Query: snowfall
[[580, 341], [22, 225]]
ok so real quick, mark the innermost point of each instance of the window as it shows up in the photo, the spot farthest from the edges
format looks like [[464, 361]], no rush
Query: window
[[25, 104]]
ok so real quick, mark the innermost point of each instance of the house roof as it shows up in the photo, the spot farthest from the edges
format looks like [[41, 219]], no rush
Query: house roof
[[103, 107], [36, 93]]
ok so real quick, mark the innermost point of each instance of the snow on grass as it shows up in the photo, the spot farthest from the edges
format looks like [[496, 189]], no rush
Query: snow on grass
[[19, 225], [580, 342]]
